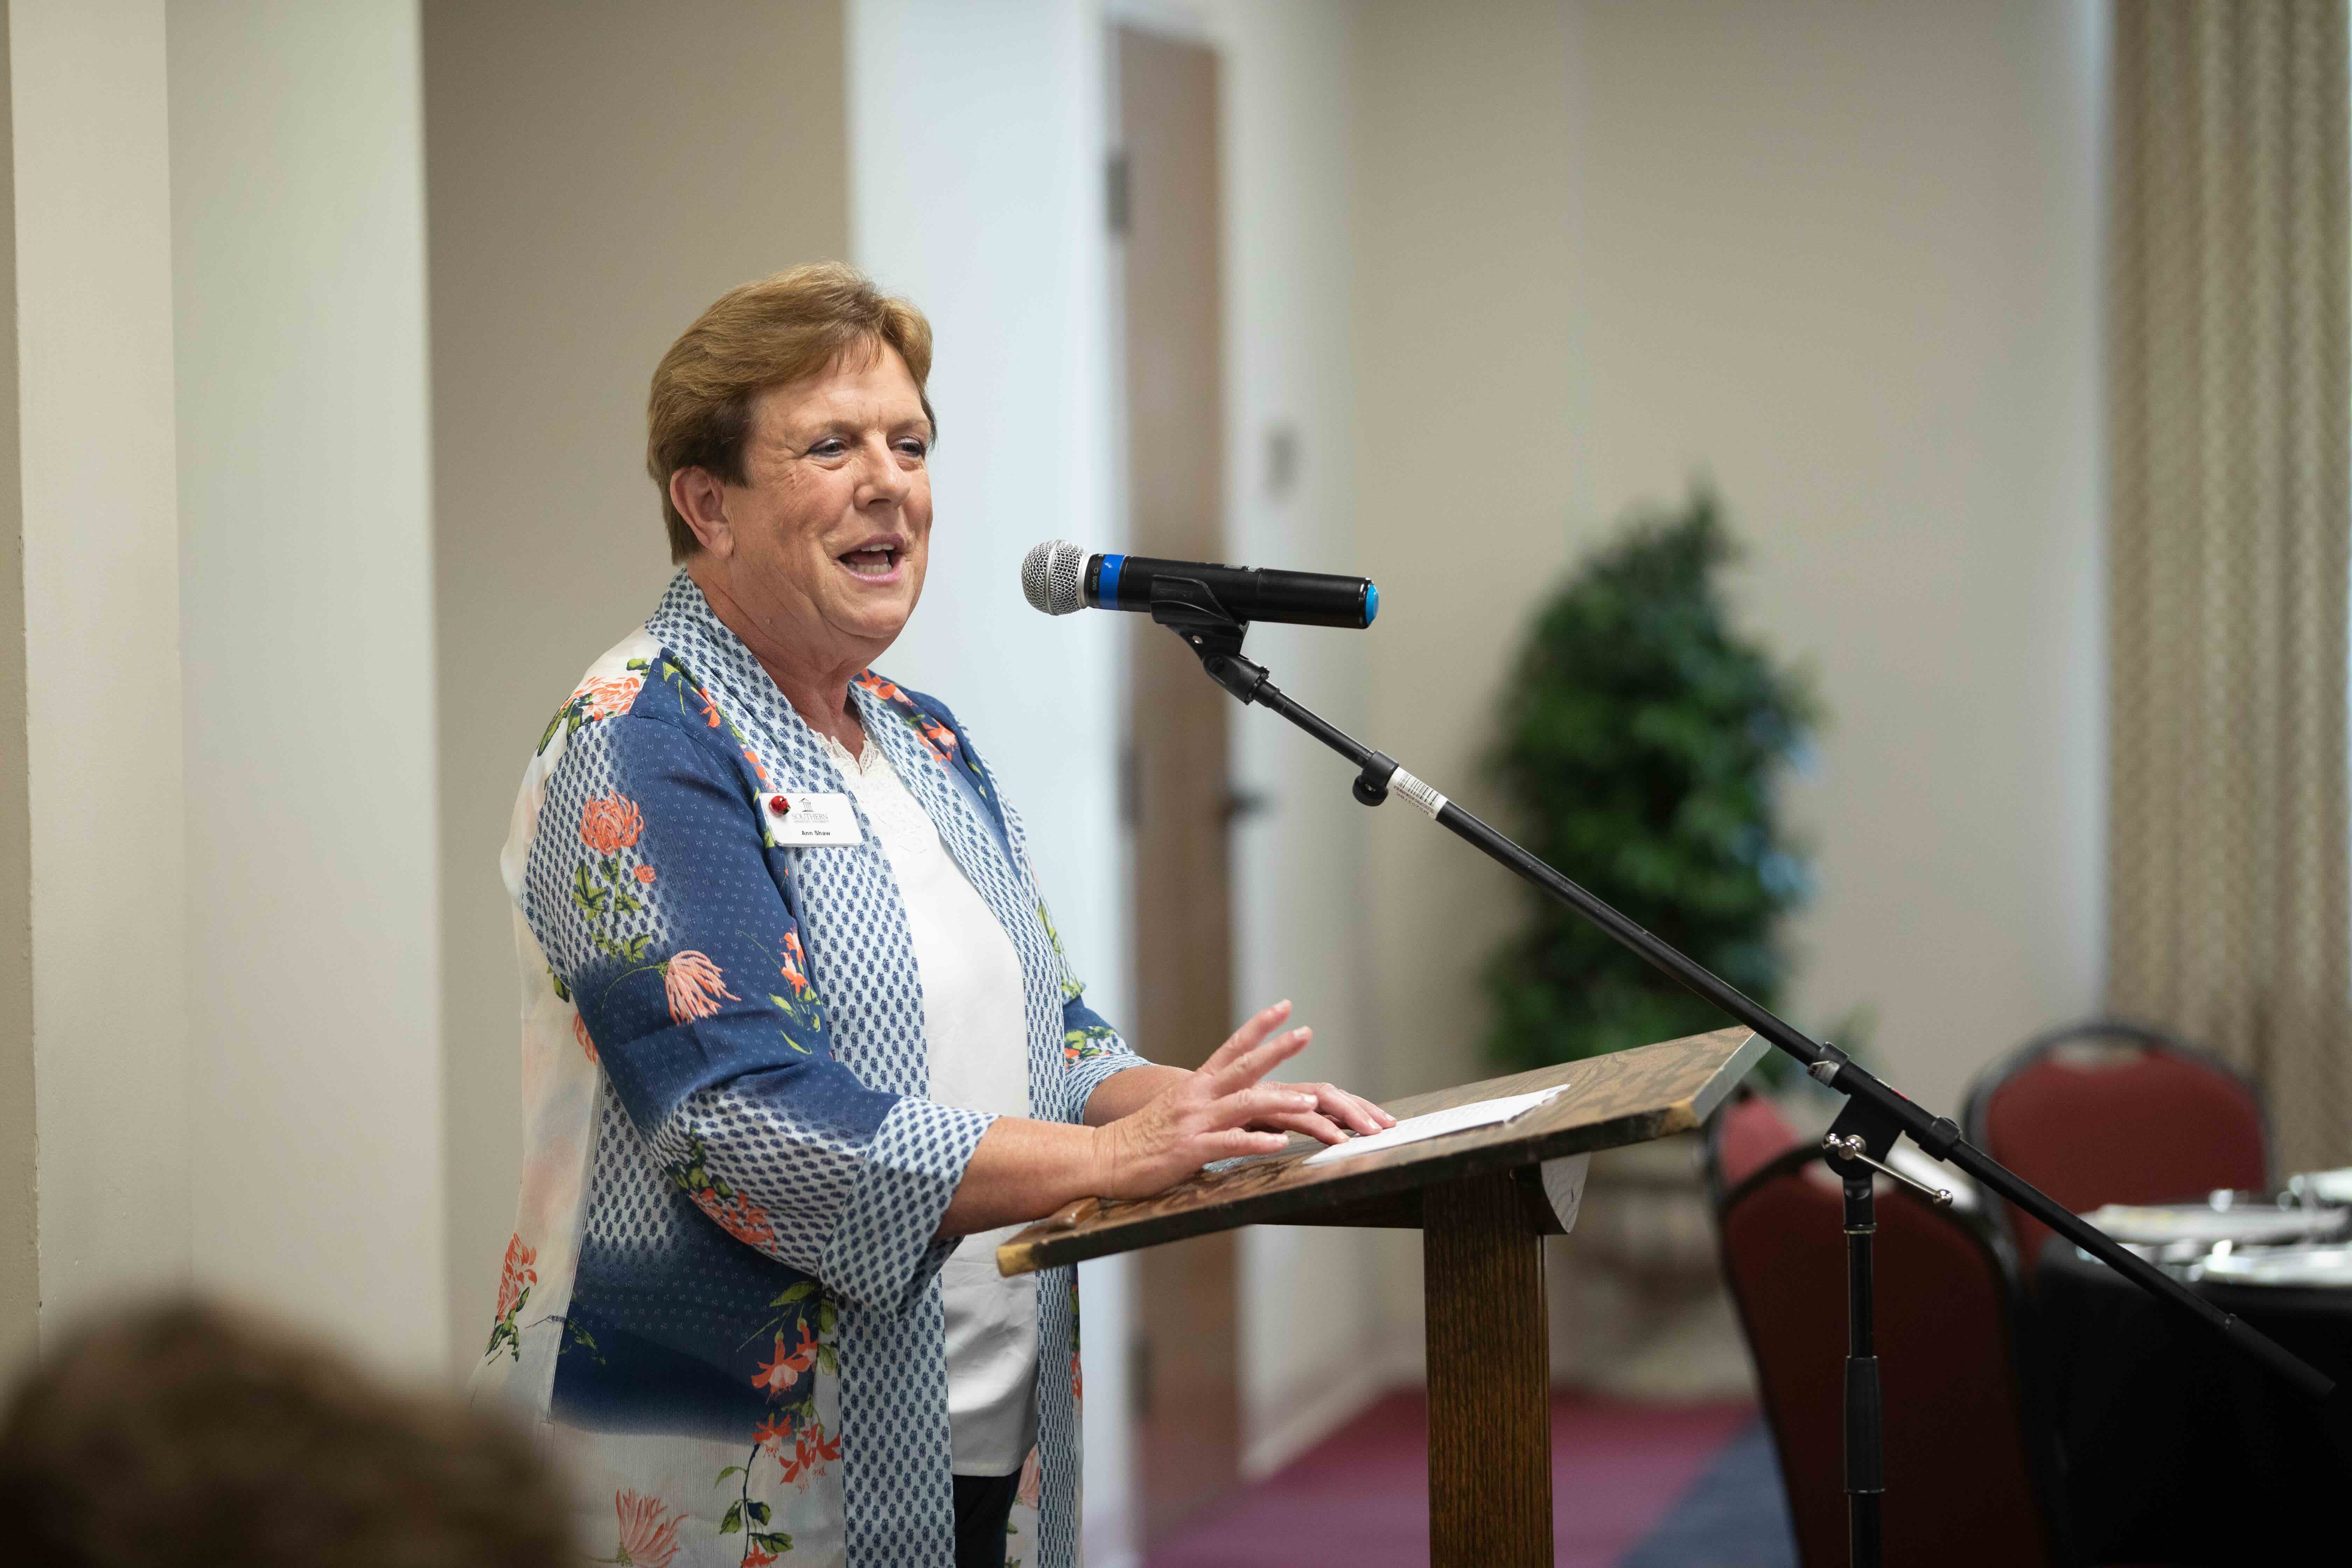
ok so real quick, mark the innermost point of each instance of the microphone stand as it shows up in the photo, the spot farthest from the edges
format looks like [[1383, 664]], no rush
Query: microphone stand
[[1859, 1141]]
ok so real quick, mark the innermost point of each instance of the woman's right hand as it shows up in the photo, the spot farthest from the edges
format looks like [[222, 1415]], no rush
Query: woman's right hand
[[1204, 1115]]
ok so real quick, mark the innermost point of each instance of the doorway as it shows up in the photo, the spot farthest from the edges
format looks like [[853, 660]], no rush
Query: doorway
[[1166, 215]]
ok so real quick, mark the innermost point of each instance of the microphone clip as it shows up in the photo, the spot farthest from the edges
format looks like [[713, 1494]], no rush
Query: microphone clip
[[1186, 606]]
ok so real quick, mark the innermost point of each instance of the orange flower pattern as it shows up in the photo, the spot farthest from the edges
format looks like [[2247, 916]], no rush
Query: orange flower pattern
[[732, 1211], [579, 1033], [693, 985], [936, 738], [604, 699], [941, 738], [738, 1217], [779, 1372], [648, 1532], [811, 1454], [595, 699], [799, 1003], [793, 1435], [610, 824], [516, 1278]]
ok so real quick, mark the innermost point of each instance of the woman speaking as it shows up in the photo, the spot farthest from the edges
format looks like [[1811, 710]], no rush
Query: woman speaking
[[796, 1023]]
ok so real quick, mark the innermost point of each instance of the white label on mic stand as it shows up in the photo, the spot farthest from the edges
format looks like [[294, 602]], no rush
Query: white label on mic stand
[[1420, 794]]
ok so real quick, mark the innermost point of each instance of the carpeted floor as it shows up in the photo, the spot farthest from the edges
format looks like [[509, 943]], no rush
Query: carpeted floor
[[1734, 1516], [1645, 1486]]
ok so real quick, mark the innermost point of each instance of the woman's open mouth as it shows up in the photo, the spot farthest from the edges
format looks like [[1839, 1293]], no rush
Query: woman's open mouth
[[878, 561]]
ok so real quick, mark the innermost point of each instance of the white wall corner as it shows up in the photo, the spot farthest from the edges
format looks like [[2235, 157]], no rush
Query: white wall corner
[[101, 594], [307, 621], [20, 1232]]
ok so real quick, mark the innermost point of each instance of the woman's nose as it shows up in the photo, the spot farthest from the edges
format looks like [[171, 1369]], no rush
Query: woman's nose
[[882, 478]]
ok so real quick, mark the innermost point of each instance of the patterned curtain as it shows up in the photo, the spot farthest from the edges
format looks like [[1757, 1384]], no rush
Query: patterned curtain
[[2230, 415]]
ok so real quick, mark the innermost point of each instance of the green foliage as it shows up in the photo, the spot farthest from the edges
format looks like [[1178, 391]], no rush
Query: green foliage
[[1640, 744]]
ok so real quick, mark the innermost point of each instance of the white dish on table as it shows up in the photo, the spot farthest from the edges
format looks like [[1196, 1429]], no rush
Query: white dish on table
[[2156, 1225], [2305, 1266], [2327, 1186]]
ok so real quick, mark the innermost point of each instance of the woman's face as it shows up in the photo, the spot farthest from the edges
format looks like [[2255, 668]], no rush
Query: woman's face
[[825, 548]]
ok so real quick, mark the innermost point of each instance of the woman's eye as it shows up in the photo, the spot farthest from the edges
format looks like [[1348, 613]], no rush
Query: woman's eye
[[831, 446], [913, 447]]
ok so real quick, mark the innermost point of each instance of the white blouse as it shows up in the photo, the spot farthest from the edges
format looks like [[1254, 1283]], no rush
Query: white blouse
[[974, 1032]]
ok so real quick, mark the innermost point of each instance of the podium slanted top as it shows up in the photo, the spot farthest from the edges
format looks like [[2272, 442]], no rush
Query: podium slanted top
[[1626, 1097]]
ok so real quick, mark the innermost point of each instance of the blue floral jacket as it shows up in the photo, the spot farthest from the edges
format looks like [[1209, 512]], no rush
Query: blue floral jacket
[[721, 1303]]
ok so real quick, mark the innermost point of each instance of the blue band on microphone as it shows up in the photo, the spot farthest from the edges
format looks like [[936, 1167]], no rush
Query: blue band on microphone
[[1372, 603], [1107, 582]]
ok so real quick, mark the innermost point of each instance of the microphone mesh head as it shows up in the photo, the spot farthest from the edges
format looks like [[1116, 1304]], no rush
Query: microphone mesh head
[[1051, 574]]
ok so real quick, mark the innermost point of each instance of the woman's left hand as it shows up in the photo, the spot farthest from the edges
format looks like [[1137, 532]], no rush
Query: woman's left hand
[[1337, 1113]]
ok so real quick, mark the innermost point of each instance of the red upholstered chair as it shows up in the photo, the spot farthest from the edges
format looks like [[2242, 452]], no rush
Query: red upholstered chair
[[1971, 1466], [2116, 1112], [1742, 1138]]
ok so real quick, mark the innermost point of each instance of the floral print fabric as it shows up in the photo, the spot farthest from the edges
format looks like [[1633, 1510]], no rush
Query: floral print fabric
[[720, 1301]]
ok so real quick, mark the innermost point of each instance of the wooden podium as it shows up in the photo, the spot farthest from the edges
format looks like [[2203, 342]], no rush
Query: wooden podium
[[1477, 1200]]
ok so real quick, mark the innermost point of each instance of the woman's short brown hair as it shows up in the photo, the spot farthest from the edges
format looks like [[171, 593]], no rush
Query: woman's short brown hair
[[755, 336]]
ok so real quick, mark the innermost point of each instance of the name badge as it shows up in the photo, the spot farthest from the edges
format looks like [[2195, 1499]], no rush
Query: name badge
[[796, 818]]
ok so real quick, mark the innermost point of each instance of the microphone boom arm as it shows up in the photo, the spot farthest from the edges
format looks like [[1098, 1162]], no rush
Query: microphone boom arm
[[1875, 1113]]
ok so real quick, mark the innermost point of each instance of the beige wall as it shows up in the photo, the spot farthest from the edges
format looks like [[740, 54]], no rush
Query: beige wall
[[306, 623], [1469, 324], [93, 298], [232, 1070], [20, 1232], [1469, 350], [590, 188], [1843, 255]]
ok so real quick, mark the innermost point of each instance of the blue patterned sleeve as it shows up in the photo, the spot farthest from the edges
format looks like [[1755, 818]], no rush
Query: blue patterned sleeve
[[1092, 1051], [649, 891]]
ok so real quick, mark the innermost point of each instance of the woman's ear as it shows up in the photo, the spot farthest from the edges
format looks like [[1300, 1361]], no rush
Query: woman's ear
[[701, 500]]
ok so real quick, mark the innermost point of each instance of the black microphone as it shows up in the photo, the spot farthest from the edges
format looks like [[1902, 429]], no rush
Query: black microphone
[[1058, 577]]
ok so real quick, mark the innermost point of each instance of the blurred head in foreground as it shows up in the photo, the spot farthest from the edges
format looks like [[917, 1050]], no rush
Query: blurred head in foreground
[[181, 1434]]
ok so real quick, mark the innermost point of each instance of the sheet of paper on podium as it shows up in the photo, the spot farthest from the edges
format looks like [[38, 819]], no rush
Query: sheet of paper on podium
[[1437, 1123]]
